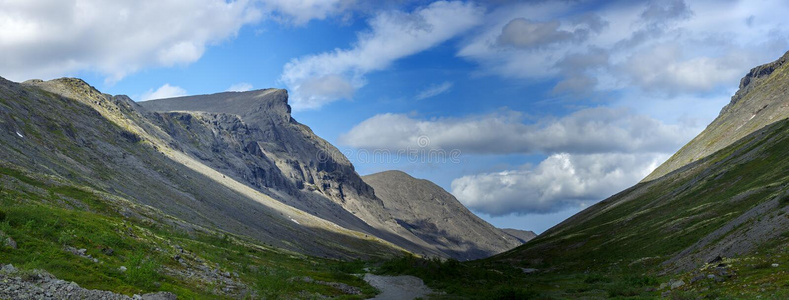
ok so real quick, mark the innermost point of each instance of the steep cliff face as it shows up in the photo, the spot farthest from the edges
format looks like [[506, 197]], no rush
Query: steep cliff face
[[436, 216], [762, 98], [303, 158]]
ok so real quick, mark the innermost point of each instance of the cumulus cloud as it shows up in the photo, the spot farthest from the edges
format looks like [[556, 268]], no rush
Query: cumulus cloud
[[523, 33], [594, 130], [667, 67], [315, 80], [434, 90], [44, 39], [560, 181], [666, 47], [240, 87], [165, 91]]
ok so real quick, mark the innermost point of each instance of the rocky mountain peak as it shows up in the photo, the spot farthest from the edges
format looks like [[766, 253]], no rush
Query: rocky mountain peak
[[74, 88], [259, 105], [754, 78]]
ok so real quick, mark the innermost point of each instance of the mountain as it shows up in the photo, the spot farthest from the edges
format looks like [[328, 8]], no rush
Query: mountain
[[522, 235], [728, 198], [720, 201], [69, 132], [760, 100], [434, 215], [251, 137], [96, 190]]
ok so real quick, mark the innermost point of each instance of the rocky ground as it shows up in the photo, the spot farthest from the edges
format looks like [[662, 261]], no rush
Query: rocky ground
[[16, 284]]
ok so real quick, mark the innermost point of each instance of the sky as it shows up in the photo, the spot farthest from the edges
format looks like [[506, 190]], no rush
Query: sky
[[526, 111]]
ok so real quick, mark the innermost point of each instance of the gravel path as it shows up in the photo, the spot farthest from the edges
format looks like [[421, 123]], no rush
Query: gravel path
[[397, 287]]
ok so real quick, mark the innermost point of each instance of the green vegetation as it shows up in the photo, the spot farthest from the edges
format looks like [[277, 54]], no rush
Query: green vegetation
[[487, 279], [50, 221]]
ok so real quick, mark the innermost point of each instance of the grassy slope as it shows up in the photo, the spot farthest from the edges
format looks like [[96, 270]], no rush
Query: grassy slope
[[44, 217], [618, 247]]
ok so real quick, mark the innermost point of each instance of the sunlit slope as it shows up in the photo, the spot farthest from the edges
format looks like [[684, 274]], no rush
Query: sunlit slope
[[726, 204], [68, 130], [763, 98]]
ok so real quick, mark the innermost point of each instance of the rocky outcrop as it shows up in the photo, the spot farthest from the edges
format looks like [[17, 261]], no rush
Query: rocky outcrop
[[434, 215], [37, 284]]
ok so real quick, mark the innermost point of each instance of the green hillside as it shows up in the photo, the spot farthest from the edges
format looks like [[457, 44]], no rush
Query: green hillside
[[731, 205]]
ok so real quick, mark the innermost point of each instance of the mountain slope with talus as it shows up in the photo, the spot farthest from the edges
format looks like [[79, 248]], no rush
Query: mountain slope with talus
[[67, 129]]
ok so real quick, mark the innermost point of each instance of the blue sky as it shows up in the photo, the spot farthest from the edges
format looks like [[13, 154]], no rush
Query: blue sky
[[527, 111]]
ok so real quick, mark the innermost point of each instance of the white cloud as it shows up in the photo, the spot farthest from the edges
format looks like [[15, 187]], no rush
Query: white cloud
[[669, 47], [523, 33], [165, 91], [393, 35], [434, 90], [44, 39], [594, 130], [300, 12], [240, 87], [560, 181]]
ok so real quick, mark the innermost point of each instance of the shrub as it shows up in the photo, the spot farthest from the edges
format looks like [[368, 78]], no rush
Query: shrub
[[513, 293]]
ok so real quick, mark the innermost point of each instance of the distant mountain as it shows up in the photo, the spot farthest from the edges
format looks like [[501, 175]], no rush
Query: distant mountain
[[522, 235], [724, 195], [434, 215]]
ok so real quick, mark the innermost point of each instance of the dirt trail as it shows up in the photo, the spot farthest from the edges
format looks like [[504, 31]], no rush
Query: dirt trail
[[397, 287]]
